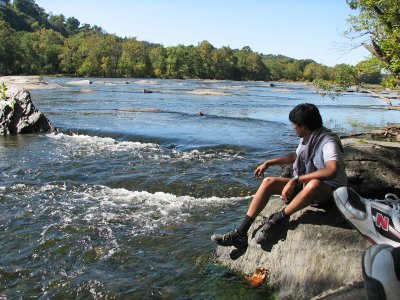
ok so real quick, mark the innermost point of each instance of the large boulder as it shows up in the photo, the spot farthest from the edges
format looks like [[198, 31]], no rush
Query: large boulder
[[19, 115], [373, 167], [320, 251]]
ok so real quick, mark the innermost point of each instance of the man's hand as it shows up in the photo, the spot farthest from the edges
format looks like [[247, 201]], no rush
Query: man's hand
[[288, 190], [259, 172]]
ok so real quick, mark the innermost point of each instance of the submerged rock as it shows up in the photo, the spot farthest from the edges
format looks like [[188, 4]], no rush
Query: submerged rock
[[19, 115], [80, 82]]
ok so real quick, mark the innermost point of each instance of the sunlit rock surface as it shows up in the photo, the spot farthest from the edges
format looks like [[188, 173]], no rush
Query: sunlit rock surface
[[319, 255], [19, 115]]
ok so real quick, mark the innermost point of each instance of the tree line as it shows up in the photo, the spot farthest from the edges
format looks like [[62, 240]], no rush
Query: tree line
[[35, 42]]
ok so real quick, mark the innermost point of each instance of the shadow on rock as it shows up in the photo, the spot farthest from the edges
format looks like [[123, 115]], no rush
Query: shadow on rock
[[278, 236], [236, 253], [326, 214]]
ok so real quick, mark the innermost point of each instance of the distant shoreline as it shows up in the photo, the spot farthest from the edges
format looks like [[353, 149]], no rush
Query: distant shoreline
[[33, 82]]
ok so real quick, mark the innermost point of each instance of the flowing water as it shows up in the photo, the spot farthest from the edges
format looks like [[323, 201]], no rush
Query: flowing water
[[121, 203]]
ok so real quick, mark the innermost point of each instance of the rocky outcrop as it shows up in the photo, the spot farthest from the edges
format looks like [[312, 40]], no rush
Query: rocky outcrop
[[19, 115], [320, 251], [373, 167]]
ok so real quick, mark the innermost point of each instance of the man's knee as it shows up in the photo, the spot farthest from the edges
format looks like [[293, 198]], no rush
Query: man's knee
[[314, 185], [268, 181], [272, 185], [319, 190]]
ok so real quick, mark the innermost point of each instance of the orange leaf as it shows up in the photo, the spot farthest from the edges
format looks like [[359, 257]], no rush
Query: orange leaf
[[259, 276]]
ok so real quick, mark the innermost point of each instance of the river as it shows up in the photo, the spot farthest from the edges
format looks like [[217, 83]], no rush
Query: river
[[122, 201]]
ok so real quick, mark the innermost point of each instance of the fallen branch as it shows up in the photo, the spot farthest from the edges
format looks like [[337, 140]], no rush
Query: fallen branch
[[388, 101]]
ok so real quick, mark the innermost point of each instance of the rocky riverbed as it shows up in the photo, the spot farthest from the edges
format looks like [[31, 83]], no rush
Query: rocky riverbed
[[319, 252]]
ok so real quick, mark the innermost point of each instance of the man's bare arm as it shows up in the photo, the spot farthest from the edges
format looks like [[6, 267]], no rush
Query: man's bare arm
[[287, 159]]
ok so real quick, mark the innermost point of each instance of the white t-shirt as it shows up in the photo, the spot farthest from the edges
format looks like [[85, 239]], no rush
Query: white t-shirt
[[329, 150]]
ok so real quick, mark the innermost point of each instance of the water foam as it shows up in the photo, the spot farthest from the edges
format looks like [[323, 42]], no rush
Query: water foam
[[102, 142], [209, 92], [80, 144], [110, 208]]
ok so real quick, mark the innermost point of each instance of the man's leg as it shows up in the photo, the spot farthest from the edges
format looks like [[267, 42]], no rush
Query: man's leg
[[315, 191], [238, 237], [270, 186]]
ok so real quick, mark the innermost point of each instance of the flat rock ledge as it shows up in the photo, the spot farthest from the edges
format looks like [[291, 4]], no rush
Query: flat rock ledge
[[19, 115], [373, 167], [319, 256], [29, 82]]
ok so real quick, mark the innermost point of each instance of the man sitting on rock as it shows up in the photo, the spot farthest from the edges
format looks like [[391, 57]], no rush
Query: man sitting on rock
[[318, 169]]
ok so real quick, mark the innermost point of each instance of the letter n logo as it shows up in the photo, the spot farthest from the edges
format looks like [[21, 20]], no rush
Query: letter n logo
[[382, 222]]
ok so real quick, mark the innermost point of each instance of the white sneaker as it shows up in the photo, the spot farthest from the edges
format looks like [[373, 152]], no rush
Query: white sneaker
[[377, 220], [381, 272]]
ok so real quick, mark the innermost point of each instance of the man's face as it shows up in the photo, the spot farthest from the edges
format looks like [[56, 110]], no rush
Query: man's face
[[299, 130]]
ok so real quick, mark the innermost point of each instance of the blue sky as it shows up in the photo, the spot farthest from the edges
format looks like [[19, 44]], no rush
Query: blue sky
[[300, 29]]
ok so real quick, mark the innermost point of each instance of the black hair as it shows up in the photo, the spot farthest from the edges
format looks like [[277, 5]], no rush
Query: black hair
[[306, 114]]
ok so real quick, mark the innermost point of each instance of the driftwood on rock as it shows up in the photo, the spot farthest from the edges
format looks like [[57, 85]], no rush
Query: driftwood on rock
[[19, 115]]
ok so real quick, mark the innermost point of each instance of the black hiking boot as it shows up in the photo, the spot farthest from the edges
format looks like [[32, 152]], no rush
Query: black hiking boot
[[270, 227], [231, 238]]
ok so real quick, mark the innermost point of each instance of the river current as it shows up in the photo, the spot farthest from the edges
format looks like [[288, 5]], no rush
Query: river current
[[122, 201]]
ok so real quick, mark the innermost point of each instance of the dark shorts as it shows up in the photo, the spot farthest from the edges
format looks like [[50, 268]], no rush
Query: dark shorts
[[299, 187], [297, 190]]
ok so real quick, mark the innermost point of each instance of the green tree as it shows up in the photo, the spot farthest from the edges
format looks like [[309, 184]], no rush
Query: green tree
[[135, 61], [157, 58], [225, 64], [179, 62], [344, 75], [314, 71], [7, 48], [379, 20], [275, 69], [292, 71], [256, 68], [72, 26], [15, 19], [39, 51], [33, 11], [100, 54], [72, 55], [49, 47], [250, 65], [205, 50], [58, 23], [370, 71], [28, 60]]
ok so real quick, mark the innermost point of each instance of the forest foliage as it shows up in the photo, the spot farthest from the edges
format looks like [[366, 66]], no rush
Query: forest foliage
[[36, 42], [378, 22]]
